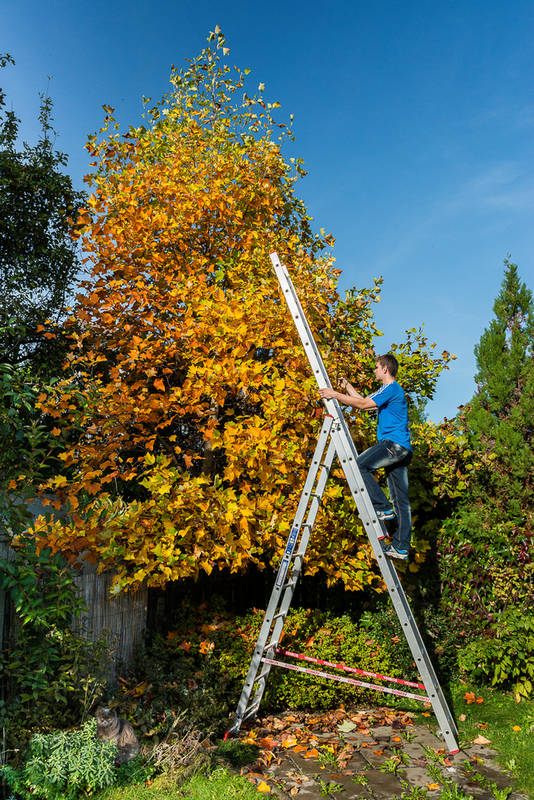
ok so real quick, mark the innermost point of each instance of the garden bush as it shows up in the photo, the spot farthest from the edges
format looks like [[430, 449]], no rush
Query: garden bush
[[201, 665], [505, 658], [331, 638], [50, 676], [64, 766]]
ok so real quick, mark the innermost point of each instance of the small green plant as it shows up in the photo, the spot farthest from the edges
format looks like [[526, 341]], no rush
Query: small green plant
[[237, 753], [391, 765], [408, 735], [488, 784], [452, 791], [64, 766], [329, 788], [500, 794], [327, 757], [361, 780], [415, 793]]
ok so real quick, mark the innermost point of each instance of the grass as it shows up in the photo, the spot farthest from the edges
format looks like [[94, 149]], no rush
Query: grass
[[508, 725], [219, 785]]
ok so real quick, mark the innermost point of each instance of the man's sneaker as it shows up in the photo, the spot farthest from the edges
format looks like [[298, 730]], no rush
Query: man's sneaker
[[392, 552], [383, 515]]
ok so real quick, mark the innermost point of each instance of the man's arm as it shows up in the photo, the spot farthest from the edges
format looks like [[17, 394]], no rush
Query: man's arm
[[354, 399]]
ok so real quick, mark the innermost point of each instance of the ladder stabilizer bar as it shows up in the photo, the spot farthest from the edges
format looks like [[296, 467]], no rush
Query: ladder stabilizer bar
[[344, 667], [341, 679]]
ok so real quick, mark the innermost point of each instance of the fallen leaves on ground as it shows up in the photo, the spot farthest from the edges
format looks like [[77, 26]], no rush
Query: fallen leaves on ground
[[309, 735], [481, 740], [470, 697]]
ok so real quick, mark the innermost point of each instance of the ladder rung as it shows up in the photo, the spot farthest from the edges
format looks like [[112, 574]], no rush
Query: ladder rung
[[250, 712], [262, 674], [280, 614], [272, 643]]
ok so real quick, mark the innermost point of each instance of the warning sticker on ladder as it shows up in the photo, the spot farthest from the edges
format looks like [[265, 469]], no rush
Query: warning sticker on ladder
[[282, 571]]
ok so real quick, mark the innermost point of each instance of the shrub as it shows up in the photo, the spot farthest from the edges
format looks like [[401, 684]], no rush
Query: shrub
[[506, 659], [64, 766], [202, 664], [327, 637], [50, 676], [485, 567]]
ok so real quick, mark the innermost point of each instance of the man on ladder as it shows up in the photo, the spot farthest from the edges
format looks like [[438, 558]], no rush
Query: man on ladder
[[393, 451]]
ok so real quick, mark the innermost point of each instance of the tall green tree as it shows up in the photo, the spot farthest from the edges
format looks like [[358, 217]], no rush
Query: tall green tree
[[487, 548], [38, 257], [500, 418], [38, 270]]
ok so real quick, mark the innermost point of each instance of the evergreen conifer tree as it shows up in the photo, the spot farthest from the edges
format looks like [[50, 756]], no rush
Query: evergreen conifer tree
[[500, 417], [487, 548]]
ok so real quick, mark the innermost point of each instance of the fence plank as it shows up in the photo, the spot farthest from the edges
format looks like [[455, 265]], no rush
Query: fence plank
[[121, 617]]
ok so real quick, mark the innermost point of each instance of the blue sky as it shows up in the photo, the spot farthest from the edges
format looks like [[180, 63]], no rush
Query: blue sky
[[415, 121]]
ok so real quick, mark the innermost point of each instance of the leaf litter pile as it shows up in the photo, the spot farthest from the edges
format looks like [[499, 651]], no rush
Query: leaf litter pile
[[331, 739]]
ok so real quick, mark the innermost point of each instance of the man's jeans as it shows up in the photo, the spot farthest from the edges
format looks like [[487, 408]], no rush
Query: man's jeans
[[395, 459]]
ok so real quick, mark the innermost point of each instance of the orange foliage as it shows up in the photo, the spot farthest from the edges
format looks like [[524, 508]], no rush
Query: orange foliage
[[188, 400]]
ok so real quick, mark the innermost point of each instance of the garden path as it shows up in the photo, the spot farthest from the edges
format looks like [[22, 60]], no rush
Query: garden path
[[367, 755]]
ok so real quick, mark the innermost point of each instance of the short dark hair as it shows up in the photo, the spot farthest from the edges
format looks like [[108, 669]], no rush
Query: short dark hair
[[390, 363]]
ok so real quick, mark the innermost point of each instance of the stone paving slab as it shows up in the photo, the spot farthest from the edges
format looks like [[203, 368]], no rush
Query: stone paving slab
[[377, 762]]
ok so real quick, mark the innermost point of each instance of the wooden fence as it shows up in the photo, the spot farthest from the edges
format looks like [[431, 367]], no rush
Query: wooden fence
[[122, 618]]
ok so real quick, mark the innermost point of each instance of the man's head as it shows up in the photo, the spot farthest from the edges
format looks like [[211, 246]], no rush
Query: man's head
[[386, 368]]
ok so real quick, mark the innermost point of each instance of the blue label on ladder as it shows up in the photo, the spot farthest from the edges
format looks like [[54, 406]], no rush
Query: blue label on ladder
[[290, 546]]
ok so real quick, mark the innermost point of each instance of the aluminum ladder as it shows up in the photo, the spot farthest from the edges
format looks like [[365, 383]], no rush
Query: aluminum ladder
[[334, 440]]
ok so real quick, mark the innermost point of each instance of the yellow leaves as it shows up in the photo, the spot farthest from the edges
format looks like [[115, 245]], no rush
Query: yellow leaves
[[516, 728], [289, 741], [433, 786], [263, 787], [202, 365]]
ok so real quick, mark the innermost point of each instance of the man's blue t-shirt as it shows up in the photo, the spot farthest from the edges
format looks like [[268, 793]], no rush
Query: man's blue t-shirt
[[392, 414]]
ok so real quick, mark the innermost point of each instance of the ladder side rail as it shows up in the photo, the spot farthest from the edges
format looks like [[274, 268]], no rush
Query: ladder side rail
[[347, 455], [306, 336], [306, 498], [303, 545], [301, 324], [290, 586], [276, 593]]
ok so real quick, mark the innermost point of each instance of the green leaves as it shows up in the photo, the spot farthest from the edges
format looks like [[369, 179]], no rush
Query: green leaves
[[65, 765], [38, 258]]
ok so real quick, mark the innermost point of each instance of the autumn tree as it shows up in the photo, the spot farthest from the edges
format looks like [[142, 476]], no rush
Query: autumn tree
[[187, 398]]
